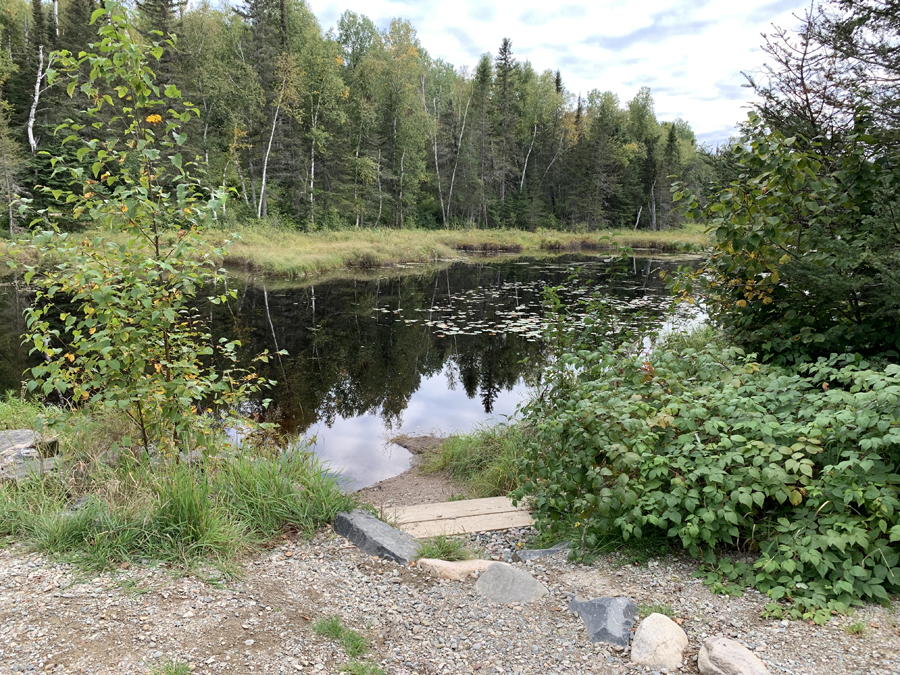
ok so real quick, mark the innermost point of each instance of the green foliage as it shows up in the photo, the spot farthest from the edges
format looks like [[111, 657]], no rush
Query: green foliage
[[112, 319], [443, 547], [805, 247], [353, 643], [709, 447]]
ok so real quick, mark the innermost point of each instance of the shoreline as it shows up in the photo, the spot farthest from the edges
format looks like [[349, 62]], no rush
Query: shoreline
[[282, 253]]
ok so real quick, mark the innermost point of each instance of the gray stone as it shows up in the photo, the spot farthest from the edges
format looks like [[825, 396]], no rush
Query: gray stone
[[607, 620], [25, 453], [504, 584], [721, 656], [659, 642], [538, 553], [374, 537]]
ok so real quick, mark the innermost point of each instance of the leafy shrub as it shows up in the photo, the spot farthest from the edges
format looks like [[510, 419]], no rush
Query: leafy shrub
[[805, 247], [797, 466]]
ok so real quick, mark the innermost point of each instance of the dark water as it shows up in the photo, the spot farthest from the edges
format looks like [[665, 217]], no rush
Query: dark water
[[434, 351]]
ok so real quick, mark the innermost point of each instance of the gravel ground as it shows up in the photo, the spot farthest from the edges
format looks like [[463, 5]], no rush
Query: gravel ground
[[54, 621]]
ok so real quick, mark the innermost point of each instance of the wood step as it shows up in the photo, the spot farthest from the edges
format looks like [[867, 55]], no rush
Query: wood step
[[460, 517]]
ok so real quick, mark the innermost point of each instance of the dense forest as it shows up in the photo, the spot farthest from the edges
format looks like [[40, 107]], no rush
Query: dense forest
[[356, 126]]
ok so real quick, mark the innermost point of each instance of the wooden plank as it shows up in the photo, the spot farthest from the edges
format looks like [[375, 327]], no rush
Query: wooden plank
[[468, 524], [442, 510]]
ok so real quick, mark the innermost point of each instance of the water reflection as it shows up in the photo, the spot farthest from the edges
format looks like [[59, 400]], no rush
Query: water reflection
[[369, 358]]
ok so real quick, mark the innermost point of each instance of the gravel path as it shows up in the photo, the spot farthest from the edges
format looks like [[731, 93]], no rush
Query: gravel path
[[53, 621]]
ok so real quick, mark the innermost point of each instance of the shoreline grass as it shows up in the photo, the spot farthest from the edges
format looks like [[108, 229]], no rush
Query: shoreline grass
[[101, 511], [267, 248], [276, 251]]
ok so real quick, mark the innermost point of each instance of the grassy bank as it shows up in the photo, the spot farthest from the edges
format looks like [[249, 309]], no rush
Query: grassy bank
[[269, 249], [287, 253], [484, 460], [101, 513]]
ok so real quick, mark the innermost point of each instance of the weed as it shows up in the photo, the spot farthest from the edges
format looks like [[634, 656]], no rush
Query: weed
[[172, 668], [362, 668], [330, 627], [353, 643], [858, 628], [443, 547], [647, 610]]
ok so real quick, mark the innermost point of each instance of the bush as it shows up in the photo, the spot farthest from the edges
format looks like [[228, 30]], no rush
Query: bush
[[796, 466], [805, 247]]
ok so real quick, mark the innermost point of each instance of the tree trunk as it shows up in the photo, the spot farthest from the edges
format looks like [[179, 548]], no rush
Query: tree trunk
[[458, 152], [29, 125], [261, 209]]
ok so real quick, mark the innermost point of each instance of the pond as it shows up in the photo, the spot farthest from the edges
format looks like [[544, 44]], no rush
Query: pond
[[415, 350]]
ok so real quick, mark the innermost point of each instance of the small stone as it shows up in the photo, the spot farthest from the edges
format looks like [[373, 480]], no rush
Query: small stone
[[721, 656], [249, 642], [535, 554], [504, 584], [607, 620], [659, 642], [455, 571]]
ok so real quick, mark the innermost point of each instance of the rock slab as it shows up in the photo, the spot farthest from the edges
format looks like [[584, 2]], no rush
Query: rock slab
[[375, 537], [721, 656], [607, 620], [455, 571], [538, 553], [504, 584], [22, 453], [659, 642]]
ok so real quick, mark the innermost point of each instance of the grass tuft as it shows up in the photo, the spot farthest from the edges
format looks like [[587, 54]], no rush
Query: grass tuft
[[443, 547], [647, 610], [172, 668], [485, 460], [354, 644], [857, 628], [362, 668]]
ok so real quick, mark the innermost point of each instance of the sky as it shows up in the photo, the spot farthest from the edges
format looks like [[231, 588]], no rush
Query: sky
[[689, 52]]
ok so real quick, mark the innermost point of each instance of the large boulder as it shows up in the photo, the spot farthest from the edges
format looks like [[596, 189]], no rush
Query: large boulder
[[607, 620], [505, 584], [721, 656], [456, 570], [375, 537], [659, 642]]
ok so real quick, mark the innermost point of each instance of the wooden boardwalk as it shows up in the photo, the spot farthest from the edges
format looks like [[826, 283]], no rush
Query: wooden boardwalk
[[462, 517]]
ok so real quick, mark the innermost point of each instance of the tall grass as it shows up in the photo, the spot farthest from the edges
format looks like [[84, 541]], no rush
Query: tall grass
[[101, 510], [485, 460]]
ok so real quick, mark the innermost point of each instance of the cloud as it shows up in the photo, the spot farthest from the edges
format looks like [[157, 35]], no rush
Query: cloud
[[484, 13], [538, 18], [664, 25], [729, 91], [472, 48], [772, 10]]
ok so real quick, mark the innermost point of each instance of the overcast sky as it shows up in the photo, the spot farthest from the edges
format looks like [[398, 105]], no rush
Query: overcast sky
[[690, 52]]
